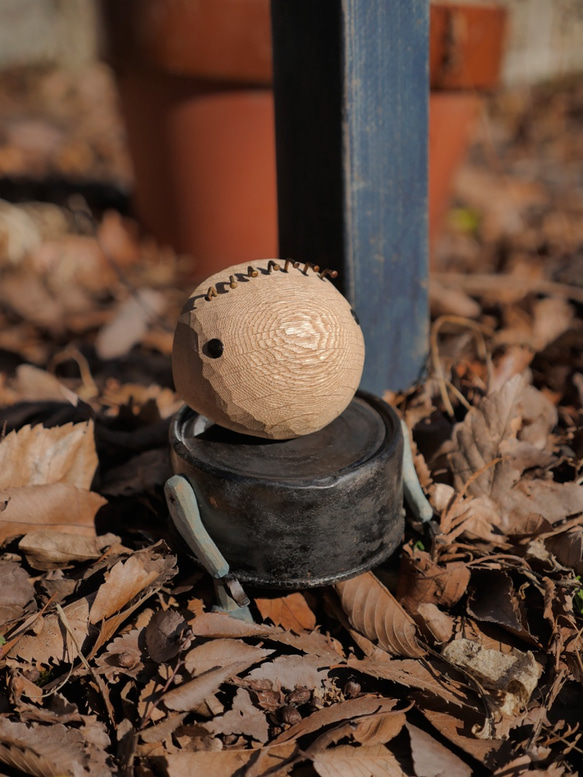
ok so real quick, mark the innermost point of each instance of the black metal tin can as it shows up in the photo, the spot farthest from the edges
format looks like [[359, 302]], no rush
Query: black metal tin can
[[304, 512]]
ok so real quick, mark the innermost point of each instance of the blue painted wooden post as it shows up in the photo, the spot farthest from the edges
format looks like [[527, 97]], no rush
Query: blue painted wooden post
[[351, 82]]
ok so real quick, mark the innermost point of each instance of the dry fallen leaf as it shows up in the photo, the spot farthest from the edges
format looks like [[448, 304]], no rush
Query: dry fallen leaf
[[373, 611], [291, 612], [166, 635], [16, 592], [191, 694], [129, 324], [55, 505], [432, 759], [243, 718], [125, 580], [51, 549], [34, 456], [347, 761], [567, 546], [54, 750], [222, 652], [421, 580], [226, 763]]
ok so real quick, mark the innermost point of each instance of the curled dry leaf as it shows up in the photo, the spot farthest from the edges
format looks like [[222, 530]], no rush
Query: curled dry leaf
[[495, 600], [351, 709], [373, 611], [568, 548], [477, 442], [50, 643], [51, 549], [411, 674], [166, 635], [421, 580], [376, 729], [439, 624]]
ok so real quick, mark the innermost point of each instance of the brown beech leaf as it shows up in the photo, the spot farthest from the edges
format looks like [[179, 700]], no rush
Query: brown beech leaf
[[222, 652], [373, 611], [123, 656], [52, 644], [34, 384], [477, 441], [351, 709], [191, 694], [554, 501], [411, 674], [124, 580], [456, 724], [16, 591], [439, 624], [287, 672], [432, 759], [376, 729], [291, 612], [56, 505], [347, 761], [35, 456], [51, 549], [243, 718], [226, 763], [568, 548], [54, 750], [154, 566], [215, 624], [421, 580]]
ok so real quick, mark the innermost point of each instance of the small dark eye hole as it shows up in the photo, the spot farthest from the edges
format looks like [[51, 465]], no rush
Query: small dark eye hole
[[214, 348], [354, 316]]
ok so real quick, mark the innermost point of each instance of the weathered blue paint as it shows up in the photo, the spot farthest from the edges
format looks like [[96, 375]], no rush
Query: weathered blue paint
[[352, 92], [386, 93]]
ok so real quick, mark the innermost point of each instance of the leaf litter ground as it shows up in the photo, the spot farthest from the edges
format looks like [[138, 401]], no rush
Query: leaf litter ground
[[461, 655]]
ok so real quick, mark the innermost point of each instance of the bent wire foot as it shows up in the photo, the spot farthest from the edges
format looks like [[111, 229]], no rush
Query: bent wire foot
[[412, 490], [183, 508]]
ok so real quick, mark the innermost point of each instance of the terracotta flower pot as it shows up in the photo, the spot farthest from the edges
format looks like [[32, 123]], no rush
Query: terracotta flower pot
[[194, 82]]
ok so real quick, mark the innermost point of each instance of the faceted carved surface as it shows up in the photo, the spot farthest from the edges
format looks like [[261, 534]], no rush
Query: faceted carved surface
[[274, 353]]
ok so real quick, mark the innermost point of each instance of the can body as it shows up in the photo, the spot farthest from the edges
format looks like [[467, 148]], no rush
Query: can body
[[303, 512]]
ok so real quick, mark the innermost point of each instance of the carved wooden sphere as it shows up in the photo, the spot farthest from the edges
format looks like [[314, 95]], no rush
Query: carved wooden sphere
[[272, 350]]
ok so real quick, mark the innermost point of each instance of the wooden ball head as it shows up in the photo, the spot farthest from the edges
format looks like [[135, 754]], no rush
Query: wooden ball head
[[272, 350]]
